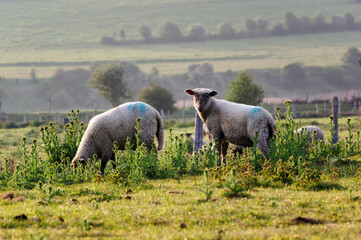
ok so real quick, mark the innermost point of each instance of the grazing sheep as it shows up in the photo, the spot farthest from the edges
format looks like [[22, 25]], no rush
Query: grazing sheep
[[232, 122], [116, 125], [311, 129]]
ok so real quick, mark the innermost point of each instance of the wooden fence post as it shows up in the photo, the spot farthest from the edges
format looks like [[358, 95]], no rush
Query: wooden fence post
[[198, 135], [335, 119]]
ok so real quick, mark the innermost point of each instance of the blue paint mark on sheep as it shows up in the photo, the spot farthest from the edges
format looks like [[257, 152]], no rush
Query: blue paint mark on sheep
[[140, 108], [254, 111]]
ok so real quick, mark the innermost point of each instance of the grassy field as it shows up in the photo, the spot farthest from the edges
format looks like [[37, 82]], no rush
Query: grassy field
[[47, 35], [236, 55], [175, 209]]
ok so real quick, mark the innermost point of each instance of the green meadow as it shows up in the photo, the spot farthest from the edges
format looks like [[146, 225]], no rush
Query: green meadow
[[105, 207], [304, 191]]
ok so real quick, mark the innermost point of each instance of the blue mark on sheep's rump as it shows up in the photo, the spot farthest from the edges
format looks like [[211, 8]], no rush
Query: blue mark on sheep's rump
[[138, 108], [255, 111]]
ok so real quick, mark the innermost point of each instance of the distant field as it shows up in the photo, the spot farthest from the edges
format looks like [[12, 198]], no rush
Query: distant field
[[49, 35], [54, 24], [237, 55]]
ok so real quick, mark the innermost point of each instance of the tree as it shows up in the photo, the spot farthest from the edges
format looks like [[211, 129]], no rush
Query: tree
[[226, 31], [197, 32], [122, 34], [262, 25], [169, 31], [338, 22], [157, 96], [251, 26], [243, 90], [278, 30], [319, 23], [351, 56], [154, 72], [349, 20], [203, 75], [306, 24], [145, 32], [334, 76], [135, 78], [293, 76], [109, 82], [32, 75], [293, 24]]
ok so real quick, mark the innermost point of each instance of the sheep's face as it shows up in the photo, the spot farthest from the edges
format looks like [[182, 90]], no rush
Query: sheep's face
[[80, 160], [201, 97]]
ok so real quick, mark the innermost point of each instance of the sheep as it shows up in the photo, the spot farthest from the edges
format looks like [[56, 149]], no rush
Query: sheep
[[234, 123], [311, 129], [234, 148], [116, 125]]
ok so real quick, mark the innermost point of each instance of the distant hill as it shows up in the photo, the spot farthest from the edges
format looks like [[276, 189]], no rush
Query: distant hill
[[76, 24]]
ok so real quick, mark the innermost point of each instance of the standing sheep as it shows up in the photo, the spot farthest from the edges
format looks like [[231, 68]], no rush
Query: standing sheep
[[232, 122], [311, 129], [116, 125]]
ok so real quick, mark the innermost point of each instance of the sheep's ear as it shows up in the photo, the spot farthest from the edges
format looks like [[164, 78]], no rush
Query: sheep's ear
[[213, 93], [189, 92]]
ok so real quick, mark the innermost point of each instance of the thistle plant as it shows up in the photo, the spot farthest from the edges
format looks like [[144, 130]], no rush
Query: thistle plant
[[207, 186], [233, 186]]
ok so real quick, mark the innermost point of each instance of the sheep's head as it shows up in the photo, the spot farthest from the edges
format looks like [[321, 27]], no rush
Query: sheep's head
[[201, 97], [76, 161]]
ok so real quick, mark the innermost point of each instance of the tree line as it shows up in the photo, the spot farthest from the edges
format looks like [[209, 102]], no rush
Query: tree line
[[77, 88], [169, 32]]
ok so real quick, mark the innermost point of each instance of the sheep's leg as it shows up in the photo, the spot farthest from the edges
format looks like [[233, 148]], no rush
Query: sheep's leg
[[103, 164], [104, 160], [224, 148], [113, 158]]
